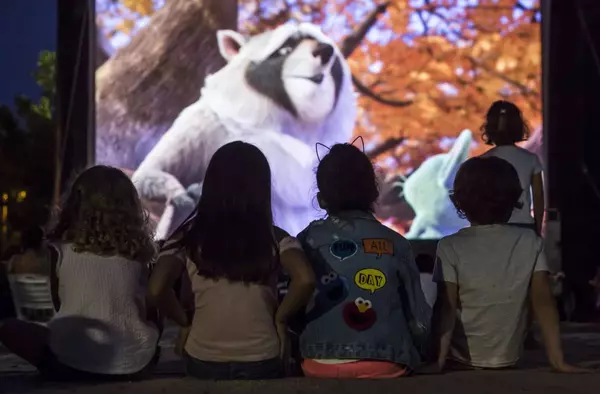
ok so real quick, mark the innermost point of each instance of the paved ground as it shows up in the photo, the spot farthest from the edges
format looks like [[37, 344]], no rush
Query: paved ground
[[582, 345]]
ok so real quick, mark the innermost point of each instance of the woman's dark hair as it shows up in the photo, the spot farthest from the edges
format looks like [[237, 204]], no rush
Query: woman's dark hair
[[504, 125], [346, 180], [103, 215], [486, 190], [32, 238], [232, 235]]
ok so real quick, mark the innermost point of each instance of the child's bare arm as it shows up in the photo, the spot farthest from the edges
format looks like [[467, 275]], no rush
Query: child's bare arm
[[160, 289], [445, 319], [537, 186], [302, 283], [544, 309]]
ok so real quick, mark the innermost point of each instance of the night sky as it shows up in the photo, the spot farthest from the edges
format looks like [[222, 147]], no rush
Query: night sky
[[26, 28]]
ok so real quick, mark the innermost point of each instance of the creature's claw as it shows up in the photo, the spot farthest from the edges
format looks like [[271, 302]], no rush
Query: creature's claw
[[183, 201], [195, 191]]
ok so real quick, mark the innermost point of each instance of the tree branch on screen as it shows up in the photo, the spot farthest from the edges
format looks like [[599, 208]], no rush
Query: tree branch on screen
[[351, 42], [526, 91], [362, 89], [384, 147]]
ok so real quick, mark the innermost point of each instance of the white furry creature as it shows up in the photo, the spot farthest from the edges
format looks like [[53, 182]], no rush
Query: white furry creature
[[283, 91]]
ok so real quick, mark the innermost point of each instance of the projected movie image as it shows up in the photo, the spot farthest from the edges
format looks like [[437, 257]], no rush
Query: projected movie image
[[177, 79]]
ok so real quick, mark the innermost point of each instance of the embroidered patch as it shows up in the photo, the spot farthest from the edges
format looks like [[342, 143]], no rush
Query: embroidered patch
[[378, 246], [370, 279], [343, 249], [359, 314], [333, 286], [331, 291]]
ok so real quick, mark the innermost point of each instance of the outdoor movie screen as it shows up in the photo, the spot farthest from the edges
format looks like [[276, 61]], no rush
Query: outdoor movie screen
[[413, 78]]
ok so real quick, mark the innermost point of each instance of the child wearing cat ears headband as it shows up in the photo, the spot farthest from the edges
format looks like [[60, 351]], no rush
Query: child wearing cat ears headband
[[503, 128], [369, 317]]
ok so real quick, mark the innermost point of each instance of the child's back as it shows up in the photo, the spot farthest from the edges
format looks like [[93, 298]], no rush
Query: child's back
[[368, 303], [101, 326], [369, 317], [487, 275], [492, 266]]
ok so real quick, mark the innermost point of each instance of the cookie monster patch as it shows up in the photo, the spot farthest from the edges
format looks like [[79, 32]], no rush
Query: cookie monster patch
[[343, 249], [332, 290]]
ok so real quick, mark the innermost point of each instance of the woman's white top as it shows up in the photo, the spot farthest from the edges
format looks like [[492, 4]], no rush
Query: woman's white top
[[527, 165], [101, 326]]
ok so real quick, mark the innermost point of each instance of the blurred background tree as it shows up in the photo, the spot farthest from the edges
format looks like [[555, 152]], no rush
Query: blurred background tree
[[27, 154]]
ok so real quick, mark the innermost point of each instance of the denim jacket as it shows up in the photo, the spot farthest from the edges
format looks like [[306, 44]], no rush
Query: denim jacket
[[368, 303]]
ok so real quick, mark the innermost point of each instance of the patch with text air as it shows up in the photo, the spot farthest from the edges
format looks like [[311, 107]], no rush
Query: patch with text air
[[378, 246]]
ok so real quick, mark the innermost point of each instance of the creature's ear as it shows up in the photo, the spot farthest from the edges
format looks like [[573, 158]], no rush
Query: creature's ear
[[230, 43], [454, 158], [321, 150], [359, 143]]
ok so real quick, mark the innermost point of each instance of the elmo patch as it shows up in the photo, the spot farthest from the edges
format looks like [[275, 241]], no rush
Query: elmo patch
[[359, 314]]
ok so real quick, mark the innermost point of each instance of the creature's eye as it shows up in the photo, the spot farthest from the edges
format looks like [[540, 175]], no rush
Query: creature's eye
[[368, 304], [285, 51], [332, 276], [359, 301], [325, 279]]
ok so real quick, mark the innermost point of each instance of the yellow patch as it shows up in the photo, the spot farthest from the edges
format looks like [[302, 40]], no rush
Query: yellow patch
[[378, 246], [370, 279]]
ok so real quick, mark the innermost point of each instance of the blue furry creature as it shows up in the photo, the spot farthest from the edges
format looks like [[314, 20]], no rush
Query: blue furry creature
[[427, 191]]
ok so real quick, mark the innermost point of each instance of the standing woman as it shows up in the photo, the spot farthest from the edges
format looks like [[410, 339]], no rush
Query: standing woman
[[230, 255], [503, 128]]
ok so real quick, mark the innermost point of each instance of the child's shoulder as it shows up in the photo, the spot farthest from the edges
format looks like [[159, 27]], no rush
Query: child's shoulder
[[492, 232]]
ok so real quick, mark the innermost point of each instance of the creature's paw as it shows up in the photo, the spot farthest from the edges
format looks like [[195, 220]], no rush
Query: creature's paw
[[183, 202], [195, 191]]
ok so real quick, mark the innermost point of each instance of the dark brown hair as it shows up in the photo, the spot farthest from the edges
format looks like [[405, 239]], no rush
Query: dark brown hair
[[232, 234], [103, 215], [504, 125], [346, 180], [486, 190]]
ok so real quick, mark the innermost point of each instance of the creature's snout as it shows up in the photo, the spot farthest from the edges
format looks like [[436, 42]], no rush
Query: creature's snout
[[324, 51]]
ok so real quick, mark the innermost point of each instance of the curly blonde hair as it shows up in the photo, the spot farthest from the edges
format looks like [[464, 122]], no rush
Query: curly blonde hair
[[103, 215]]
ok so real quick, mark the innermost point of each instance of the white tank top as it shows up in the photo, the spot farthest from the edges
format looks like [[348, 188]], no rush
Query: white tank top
[[101, 326]]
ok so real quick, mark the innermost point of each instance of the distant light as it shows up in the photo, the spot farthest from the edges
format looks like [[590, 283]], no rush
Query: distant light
[[5, 197], [21, 195]]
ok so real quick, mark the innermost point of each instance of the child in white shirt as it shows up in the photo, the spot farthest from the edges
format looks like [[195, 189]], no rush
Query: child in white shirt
[[504, 126], [488, 274]]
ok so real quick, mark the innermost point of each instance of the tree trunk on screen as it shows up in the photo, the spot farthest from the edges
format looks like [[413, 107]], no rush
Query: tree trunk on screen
[[141, 90]]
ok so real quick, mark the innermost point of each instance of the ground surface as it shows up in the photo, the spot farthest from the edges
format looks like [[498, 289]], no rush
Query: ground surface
[[582, 346]]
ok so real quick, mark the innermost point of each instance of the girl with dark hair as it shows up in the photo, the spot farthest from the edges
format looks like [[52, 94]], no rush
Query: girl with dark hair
[[34, 257], [504, 127], [102, 249], [369, 317], [488, 274], [230, 255]]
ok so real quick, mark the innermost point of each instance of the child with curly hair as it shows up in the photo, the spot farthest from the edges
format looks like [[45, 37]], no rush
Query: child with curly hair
[[504, 127], [488, 274], [102, 249], [369, 317]]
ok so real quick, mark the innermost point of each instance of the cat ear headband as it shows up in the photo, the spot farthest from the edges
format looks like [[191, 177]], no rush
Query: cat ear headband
[[359, 138]]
